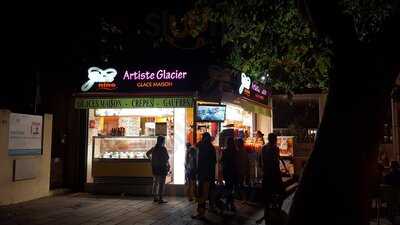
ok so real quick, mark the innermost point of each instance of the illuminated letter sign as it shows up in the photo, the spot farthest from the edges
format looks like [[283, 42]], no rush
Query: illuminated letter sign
[[259, 89], [245, 83], [97, 75], [161, 74], [253, 90], [146, 80], [161, 78]]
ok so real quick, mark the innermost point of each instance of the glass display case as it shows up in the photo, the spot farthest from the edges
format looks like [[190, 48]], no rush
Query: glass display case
[[123, 147]]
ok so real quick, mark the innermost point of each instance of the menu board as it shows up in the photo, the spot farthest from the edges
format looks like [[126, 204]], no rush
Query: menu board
[[131, 125], [161, 129]]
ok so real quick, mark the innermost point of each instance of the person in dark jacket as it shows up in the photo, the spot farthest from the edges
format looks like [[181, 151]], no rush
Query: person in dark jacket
[[205, 172], [160, 168], [242, 168], [272, 178], [190, 170], [229, 171]]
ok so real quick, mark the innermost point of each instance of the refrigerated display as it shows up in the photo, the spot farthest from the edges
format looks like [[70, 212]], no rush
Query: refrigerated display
[[122, 156], [122, 147]]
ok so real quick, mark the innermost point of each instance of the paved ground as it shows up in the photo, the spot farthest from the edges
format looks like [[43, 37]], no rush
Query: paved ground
[[87, 209]]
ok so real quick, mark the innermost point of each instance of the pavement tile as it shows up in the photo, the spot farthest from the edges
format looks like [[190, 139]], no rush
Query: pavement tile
[[89, 209]]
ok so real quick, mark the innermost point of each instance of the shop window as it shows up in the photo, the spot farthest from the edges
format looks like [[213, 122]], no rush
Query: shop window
[[127, 134]]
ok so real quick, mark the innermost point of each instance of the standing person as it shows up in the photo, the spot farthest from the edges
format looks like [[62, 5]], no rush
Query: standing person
[[252, 156], [205, 172], [260, 142], [272, 178], [242, 165], [160, 167], [212, 195], [190, 170], [229, 171], [260, 137]]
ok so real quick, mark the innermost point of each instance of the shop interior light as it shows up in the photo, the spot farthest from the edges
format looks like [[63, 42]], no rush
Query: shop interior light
[[247, 119], [135, 112], [234, 113], [233, 107], [179, 145]]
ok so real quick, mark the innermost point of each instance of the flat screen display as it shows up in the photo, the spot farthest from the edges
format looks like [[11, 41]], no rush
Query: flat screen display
[[210, 113]]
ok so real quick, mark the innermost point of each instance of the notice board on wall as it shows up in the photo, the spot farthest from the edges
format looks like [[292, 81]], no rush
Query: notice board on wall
[[25, 134], [25, 169]]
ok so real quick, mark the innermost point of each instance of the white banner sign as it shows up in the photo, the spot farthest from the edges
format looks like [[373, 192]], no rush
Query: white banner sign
[[25, 134]]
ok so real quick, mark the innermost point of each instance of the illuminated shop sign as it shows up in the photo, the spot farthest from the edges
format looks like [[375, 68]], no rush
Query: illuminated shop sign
[[127, 80], [159, 78], [244, 83], [120, 103], [253, 89]]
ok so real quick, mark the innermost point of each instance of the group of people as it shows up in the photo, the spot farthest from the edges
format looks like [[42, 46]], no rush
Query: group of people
[[200, 167], [200, 170]]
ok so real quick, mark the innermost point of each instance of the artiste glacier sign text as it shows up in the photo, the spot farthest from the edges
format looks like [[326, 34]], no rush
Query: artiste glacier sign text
[[155, 75]]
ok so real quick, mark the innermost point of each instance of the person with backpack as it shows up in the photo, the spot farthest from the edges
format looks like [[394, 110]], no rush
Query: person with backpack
[[160, 168]]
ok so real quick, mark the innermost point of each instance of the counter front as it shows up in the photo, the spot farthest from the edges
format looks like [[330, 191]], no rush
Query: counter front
[[121, 168]]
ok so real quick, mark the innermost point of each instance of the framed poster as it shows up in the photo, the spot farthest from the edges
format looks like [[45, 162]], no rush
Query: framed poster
[[25, 134], [285, 145]]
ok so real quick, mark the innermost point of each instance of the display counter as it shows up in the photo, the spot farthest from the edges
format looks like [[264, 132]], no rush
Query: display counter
[[122, 156], [121, 168]]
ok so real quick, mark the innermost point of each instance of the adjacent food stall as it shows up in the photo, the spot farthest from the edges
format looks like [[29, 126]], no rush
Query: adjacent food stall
[[248, 112]]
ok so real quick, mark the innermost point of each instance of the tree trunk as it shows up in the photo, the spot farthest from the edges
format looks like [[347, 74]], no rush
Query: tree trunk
[[335, 183], [339, 176]]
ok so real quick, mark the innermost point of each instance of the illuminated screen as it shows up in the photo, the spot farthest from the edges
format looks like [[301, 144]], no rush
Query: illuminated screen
[[211, 113]]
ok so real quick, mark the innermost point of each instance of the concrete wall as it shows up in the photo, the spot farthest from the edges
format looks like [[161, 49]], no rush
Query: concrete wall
[[19, 191]]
